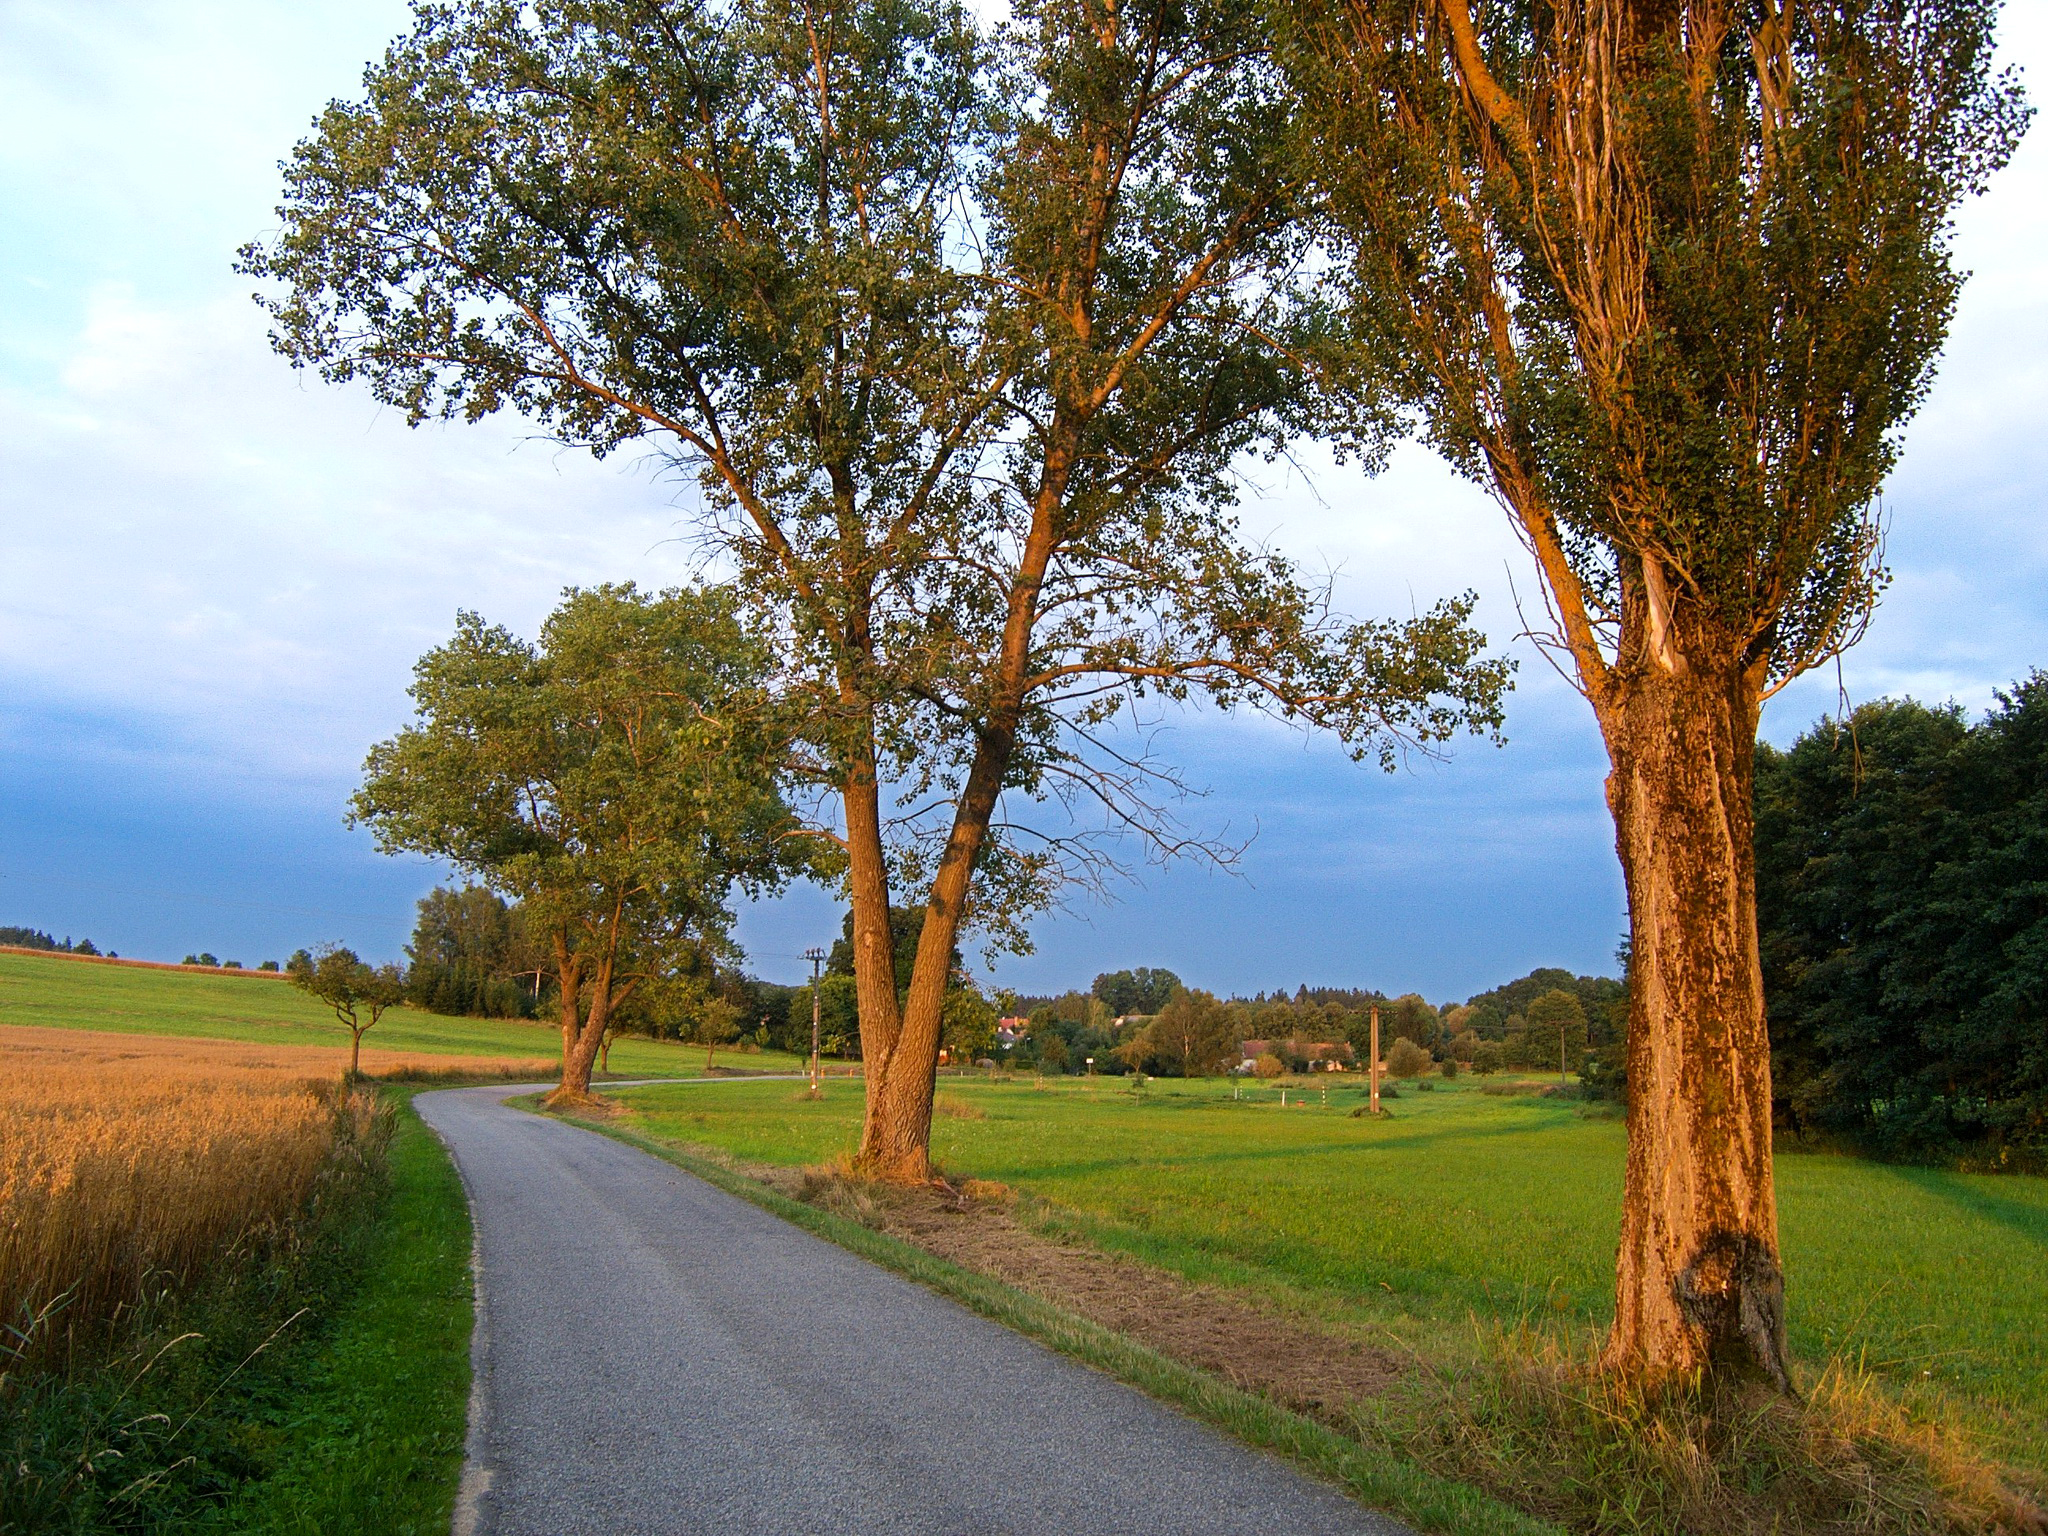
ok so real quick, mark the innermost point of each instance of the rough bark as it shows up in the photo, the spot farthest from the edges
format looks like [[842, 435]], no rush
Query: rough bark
[[874, 944], [1698, 1282]]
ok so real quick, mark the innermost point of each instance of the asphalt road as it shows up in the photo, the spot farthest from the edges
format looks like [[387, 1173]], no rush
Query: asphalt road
[[657, 1356]]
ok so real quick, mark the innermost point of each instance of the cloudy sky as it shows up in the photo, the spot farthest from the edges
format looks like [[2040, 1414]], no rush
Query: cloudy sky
[[218, 573]]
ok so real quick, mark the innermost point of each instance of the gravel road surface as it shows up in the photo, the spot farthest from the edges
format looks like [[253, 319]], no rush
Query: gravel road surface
[[657, 1356]]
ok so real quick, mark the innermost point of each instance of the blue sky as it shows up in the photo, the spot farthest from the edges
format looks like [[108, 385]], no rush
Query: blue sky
[[218, 574]]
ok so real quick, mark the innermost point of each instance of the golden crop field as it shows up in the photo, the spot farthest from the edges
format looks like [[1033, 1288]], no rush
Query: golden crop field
[[127, 1160]]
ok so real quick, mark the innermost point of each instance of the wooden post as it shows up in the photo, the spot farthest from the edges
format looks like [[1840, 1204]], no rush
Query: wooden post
[[1375, 1058], [816, 956]]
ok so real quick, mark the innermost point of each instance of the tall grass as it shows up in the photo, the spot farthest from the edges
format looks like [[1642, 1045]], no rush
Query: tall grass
[[1539, 1425], [127, 1166]]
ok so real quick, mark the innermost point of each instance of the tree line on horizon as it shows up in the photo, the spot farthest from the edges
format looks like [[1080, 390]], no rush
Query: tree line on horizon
[[962, 334]]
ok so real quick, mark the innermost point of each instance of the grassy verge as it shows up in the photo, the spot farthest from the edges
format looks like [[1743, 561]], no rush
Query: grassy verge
[[315, 1383], [1369, 1473], [371, 1439]]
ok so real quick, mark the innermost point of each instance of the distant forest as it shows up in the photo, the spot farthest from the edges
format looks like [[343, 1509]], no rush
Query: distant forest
[[35, 938]]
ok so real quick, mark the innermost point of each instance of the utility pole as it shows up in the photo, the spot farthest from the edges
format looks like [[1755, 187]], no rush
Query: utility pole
[[1375, 1058], [817, 958]]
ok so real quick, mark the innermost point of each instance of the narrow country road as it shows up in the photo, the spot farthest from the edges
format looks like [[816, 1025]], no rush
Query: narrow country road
[[656, 1356]]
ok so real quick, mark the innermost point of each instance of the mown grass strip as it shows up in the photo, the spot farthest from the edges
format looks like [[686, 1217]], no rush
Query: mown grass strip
[[374, 1439], [1374, 1476]]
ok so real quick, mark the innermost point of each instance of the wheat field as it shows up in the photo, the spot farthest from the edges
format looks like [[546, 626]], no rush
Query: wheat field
[[129, 1162]]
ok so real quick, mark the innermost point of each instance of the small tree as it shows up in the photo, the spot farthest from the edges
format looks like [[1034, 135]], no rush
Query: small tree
[[714, 1022], [1407, 1059], [1192, 1036], [618, 779], [970, 1024], [358, 993]]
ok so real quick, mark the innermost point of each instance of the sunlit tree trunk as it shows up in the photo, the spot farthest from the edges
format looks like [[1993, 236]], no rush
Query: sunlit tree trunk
[[896, 1141], [1698, 1282]]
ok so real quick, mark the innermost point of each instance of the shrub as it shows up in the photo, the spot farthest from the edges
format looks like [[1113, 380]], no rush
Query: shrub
[[1450, 1067], [1269, 1065], [1489, 1057], [1407, 1059]]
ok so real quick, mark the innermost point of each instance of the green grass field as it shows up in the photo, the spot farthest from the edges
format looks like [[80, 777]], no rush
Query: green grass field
[[70, 994], [1463, 1205]]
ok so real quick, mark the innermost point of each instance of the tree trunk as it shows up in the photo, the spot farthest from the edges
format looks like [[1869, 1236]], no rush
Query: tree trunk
[[896, 1141], [874, 942], [1697, 1283], [355, 1054], [581, 1037]]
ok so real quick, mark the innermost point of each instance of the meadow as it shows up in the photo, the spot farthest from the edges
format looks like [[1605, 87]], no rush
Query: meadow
[[1461, 1207], [54, 992]]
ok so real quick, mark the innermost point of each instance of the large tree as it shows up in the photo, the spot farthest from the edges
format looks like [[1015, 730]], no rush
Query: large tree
[[959, 343], [617, 779], [1669, 277]]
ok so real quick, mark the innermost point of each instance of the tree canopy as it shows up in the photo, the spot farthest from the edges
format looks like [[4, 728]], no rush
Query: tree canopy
[[960, 340], [1904, 919]]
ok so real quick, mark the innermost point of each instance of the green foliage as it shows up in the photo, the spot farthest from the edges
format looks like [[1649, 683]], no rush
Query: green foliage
[[968, 1025], [617, 778], [1406, 1059], [1144, 990], [838, 1018], [466, 947], [1554, 1033], [906, 927], [1603, 1004], [1269, 1064], [35, 938], [1671, 279], [359, 994], [1904, 926], [1192, 1036], [1081, 299]]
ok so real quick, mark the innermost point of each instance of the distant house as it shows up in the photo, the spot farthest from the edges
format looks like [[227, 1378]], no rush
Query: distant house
[[1010, 1031], [1321, 1055]]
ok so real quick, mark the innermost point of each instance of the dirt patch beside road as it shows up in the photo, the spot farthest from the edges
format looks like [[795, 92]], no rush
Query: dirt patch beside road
[[1253, 1347]]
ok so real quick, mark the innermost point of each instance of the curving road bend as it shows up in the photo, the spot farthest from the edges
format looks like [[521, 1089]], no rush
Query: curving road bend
[[657, 1356]]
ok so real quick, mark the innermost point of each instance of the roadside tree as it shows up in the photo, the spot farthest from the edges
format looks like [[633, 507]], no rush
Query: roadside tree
[[359, 994], [1669, 277], [617, 779], [961, 343]]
